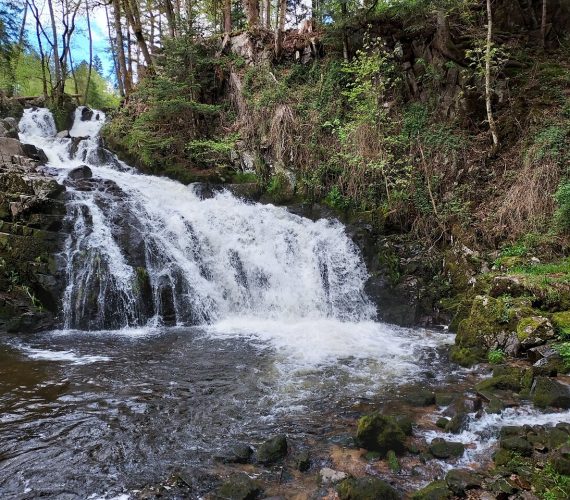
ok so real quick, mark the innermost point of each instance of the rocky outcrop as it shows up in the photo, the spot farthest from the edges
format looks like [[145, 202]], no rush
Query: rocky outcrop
[[31, 220]]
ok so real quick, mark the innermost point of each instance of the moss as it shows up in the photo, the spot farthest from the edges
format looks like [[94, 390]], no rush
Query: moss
[[561, 321], [380, 433], [367, 488], [465, 356], [438, 490]]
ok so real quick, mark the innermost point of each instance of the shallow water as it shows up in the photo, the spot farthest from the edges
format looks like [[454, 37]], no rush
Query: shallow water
[[103, 413]]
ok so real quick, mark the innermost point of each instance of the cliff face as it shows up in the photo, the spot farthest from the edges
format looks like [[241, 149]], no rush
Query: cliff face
[[31, 220]]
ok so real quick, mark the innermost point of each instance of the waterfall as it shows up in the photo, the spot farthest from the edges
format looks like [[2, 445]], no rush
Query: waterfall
[[149, 250]]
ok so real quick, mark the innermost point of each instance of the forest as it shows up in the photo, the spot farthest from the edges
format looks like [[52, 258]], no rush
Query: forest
[[285, 248]]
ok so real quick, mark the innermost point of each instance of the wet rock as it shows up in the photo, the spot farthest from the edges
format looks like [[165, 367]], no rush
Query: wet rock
[[380, 433], [547, 392], [517, 445], [555, 437], [458, 423], [366, 488], [240, 454], [272, 450], [80, 173], [86, 114], [460, 480], [440, 448], [534, 330], [444, 398], [303, 461], [35, 153], [239, 488], [9, 128], [438, 490], [420, 398], [331, 476], [64, 134], [442, 422]]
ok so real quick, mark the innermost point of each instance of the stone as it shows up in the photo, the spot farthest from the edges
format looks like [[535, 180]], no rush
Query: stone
[[561, 460], [86, 114], [303, 461], [380, 433], [239, 488], [35, 153], [547, 392], [444, 398], [10, 147], [240, 454], [64, 134], [438, 490], [442, 422], [272, 450], [458, 423], [507, 285], [517, 444], [460, 480], [366, 488], [534, 330], [80, 173], [440, 448], [331, 476]]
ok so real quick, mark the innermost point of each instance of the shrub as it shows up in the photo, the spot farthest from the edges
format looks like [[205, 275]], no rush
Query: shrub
[[496, 356]]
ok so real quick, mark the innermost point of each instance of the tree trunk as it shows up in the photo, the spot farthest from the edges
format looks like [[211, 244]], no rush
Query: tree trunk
[[268, 14], [134, 19], [252, 12], [58, 88], [227, 16], [170, 18], [90, 52], [345, 47], [279, 29], [488, 90], [543, 25], [125, 77]]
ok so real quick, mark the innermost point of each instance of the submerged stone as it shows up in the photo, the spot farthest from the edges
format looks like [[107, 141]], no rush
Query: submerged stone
[[367, 488]]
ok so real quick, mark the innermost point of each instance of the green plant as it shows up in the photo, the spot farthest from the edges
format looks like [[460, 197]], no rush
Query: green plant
[[337, 200], [562, 215], [564, 351], [495, 356]]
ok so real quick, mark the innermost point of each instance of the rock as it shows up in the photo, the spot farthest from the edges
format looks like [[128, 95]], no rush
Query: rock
[[444, 398], [10, 147], [534, 330], [561, 460], [239, 488], [80, 173], [35, 153], [460, 480], [366, 488], [331, 476], [303, 461], [440, 448], [11, 122], [507, 285], [547, 392], [457, 424], [240, 454], [517, 444], [561, 322], [272, 450], [442, 422], [422, 397], [380, 433], [438, 490], [64, 134], [86, 114], [556, 437]]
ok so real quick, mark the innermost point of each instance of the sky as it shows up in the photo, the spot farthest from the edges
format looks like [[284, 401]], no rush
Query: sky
[[80, 39]]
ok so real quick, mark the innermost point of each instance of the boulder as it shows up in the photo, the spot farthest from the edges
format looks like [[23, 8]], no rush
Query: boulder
[[534, 330], [10, 147], [561, 322], [561, 460], [35, 153], [86, 114], [240, 487], [272, 450], [380, 433], [421, 397], [64, 134], [440, 448], [366, 488], [547, 392], [331, 476], [507, 285], [303, 461], [458, 423], [460, 480], [80, 173], [517, 445]]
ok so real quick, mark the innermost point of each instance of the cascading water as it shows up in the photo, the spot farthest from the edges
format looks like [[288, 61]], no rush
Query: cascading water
[[149, 250]]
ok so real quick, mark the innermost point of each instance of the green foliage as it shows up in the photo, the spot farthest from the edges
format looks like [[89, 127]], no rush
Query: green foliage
[[495, 356], [552, 143], [208, 152], [564, 351], [562, 215], [335, 199]]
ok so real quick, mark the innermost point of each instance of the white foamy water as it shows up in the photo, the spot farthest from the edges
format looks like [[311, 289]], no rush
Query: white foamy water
[[65, 356], [147, 251]]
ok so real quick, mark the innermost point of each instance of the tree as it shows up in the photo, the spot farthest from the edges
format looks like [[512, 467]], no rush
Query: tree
[[488, 89], [543, 24], [90, 50], [280, 27], [252, 11]]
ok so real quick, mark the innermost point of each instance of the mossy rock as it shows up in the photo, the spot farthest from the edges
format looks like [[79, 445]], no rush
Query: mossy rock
[[367, 488], [534, 330], [460, 480], [465, 356], [503, 457], [517, 445], [440, 448], [438, 490], [239, 488], [420, 397], [272, 450], [561, 322], [547, 392], [380, 433]]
